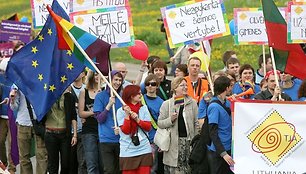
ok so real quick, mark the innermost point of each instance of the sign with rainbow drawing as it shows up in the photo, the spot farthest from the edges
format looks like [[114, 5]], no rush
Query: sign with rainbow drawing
[[296, 27], [194, 21], [113, 25], [250, 28], [84, 5], [40, 12], [271, 134]]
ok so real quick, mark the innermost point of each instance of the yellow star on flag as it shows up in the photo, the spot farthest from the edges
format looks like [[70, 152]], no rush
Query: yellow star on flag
[[52, 88], [34, 50], [69, 52], [45, 86], [70, 66], [34, 63], [49, 31], [63, 79], [40, 77], [41, 38]]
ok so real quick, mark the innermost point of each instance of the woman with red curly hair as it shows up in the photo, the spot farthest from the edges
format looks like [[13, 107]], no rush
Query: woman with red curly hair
[[134, 121]]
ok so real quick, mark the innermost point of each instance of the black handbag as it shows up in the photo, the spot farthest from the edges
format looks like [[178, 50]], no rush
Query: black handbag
[[39, 127]]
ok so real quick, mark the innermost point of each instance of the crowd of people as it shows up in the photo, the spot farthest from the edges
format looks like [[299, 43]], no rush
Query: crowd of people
[[89, 130]]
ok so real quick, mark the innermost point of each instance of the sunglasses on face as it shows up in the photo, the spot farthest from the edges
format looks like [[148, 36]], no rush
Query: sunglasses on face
[[151, 83]]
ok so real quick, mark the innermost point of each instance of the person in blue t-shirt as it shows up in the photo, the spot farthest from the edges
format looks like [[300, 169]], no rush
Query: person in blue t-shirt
[[153, 103], [290, 85], [302, 91], [108, 133], [220, 128]]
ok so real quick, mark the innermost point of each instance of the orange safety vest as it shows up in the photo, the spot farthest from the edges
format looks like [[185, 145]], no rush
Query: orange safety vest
[[195, 94]]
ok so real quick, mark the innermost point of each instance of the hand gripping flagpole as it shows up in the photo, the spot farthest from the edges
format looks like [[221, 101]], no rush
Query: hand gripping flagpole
[[96, 68]]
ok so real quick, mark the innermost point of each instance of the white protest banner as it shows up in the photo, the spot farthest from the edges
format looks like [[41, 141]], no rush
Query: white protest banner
[[250, 26], [84, 5], [113, 25], [40, 12], [269, 137], [192, 21], [296, 27]]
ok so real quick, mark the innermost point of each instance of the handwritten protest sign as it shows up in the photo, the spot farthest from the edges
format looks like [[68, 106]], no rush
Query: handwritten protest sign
[[40, 12], [84, 5], [250, 26], [190, 21], [296, 27], [14, 30], [113, 25], [6, 49]]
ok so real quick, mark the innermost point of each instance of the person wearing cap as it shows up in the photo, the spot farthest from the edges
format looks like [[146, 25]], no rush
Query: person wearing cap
[[108, 133], [196, 86], [273, 90]]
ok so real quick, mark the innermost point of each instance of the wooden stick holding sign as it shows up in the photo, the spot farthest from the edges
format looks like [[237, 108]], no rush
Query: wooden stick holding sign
[[264, 59], [274, 71], [207, 70]]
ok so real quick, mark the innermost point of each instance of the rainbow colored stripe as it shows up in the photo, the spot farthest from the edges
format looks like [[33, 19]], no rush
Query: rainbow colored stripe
[[95, 48], [178, 100]]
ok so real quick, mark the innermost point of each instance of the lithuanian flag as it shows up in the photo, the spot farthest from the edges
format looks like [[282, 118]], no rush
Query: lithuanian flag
[[70, 36], [289, 58]]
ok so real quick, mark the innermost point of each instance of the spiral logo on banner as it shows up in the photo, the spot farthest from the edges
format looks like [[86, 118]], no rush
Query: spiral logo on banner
[[274, 137]]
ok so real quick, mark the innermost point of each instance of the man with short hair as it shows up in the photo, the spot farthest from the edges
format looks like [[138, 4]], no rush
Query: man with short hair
[[227, 55], [196, 86], [233, 66], [273, 91], [220, 128], [260, 72], [119, 66]]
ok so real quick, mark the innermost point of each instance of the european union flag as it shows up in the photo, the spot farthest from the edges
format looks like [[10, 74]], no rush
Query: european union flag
[[42, 71]]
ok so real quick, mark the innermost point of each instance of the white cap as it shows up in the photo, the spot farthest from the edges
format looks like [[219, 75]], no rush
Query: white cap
[[3, 64]]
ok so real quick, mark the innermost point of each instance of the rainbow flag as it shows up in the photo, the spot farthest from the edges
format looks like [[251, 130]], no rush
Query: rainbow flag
[[79, 42], [179, 100]]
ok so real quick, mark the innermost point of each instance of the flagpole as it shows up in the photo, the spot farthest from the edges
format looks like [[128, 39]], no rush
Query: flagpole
[[112, 94], [264, 59], [274, 71], [96, 68], [178, 51], [207, 70]]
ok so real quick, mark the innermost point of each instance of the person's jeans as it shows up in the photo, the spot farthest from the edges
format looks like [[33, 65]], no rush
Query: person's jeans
[[55, 144], [77, 161], [91, 152], [110, 154]]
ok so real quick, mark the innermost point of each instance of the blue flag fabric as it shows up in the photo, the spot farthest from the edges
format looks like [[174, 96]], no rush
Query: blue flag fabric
[[42, 71]]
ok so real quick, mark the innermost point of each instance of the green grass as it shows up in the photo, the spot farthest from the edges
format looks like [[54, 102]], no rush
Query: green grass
[[147, 28]]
